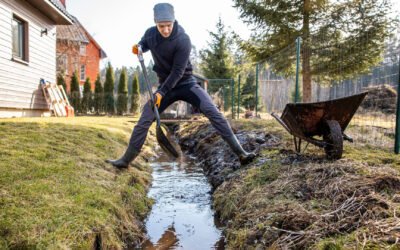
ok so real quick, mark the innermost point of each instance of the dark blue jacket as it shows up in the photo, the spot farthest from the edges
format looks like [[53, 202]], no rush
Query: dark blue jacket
[[170, 55]]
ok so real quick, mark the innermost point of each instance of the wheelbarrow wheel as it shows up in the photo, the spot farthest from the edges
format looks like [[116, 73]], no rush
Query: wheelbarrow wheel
[[334, 140]]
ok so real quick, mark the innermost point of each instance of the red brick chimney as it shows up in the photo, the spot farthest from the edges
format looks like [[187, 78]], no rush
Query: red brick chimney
[[63, 3]]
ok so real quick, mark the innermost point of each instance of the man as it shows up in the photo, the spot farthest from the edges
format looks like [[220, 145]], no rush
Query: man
[[170, 47]]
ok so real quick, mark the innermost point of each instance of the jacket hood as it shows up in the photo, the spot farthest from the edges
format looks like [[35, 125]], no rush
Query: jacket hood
[[176, 31]]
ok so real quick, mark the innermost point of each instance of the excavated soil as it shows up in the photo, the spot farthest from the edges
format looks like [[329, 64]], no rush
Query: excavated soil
[[382, 98], [283, 200]]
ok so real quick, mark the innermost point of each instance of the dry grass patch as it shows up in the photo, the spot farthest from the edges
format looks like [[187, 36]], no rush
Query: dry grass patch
[[288, 201], [58, 193]]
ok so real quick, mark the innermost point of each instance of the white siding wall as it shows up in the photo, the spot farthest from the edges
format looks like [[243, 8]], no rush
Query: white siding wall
[[19, 83]]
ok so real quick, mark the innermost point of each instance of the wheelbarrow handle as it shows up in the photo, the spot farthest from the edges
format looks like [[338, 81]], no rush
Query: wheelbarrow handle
[[281, 122]]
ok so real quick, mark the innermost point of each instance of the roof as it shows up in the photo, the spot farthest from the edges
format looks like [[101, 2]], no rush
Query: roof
[[77, 33], [74, 32], [61, 7], [54, 10], [200, 77]]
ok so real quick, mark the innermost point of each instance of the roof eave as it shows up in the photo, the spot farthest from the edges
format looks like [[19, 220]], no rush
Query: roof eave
[[51, 11]]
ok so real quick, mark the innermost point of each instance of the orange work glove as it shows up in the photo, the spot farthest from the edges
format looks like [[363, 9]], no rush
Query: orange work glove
[[157, 99], [135, 49]]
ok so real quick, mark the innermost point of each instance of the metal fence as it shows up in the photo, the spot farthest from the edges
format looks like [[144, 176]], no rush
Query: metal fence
[[223, 91], [280, 79]]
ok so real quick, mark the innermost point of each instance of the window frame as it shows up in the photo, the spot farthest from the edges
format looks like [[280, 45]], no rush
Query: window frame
[[23, 56], [82, 49], [82, 72], [62, 63]]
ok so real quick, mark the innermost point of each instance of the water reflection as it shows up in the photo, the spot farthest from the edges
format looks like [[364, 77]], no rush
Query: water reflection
[[181, 217], [168, 240]]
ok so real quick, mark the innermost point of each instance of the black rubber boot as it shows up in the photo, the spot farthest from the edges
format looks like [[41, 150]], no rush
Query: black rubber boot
[[123, 162], [244, 157]]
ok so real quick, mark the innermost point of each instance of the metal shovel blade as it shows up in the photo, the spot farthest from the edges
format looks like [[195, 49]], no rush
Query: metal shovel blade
[[165, 144]]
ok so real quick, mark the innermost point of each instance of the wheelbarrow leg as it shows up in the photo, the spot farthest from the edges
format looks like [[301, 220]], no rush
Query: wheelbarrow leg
[[297, 144]]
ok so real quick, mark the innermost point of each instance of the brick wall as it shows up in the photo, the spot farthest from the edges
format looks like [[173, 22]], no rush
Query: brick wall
[[70, 60], [92, 63]]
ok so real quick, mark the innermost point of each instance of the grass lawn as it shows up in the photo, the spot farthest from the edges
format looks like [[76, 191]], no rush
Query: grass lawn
[[56, 191]]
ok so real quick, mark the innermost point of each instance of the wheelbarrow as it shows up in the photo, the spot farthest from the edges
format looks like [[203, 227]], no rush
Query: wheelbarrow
[[326, 120]]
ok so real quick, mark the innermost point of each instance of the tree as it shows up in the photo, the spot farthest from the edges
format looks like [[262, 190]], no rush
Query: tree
[[194, 57], [248, 92], [75, 94], [61, 80], [135, 95], [152, 75], [217, 60], [109, 90], [86, 104], [98, 96], [122, 100], [339, 38]]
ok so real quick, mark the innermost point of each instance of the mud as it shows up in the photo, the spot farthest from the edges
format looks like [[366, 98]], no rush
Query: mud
[[286, 200], [213, 153]]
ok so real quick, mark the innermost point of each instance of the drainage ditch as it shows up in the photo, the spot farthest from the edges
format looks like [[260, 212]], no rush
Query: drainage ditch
[[181, 217]]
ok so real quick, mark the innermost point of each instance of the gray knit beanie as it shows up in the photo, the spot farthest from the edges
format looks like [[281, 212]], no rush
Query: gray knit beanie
[[164, 12]]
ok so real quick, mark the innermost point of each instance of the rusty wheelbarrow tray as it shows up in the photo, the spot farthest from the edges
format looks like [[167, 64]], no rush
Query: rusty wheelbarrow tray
[[326, 119]]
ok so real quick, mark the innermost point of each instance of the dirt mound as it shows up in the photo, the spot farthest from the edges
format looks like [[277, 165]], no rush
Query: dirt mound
[[284, 200], [380, 98]]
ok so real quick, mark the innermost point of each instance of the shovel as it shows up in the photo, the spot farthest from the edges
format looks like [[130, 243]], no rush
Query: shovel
[[161, 137]]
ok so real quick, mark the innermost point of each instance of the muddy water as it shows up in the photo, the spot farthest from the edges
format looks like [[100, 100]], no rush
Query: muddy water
[[181, 217]]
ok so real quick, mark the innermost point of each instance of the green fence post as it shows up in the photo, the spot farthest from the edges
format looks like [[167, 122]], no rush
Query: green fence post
[[397, 133], [296, 95], [224, 96], [238, 106], [256, 89], [233, 98]]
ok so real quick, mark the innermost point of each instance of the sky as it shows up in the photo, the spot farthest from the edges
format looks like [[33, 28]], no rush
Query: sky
[[117, 25]]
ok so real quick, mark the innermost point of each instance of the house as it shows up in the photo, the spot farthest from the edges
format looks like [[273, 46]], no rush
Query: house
[[27, 54], [77, 51]]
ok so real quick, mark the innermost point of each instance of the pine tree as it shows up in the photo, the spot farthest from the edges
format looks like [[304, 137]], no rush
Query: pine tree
[[135, 95], [109, 90], [99, 96], [122, 101], [217, 60], [248, 92], [142, 86], [75, 94], [86, 104], [152, 76], [61, 80], [339, 38]]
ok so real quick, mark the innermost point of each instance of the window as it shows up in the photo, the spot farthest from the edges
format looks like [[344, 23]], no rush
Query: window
[[83, 72], [62, 63], [19, 39], [82, 49]]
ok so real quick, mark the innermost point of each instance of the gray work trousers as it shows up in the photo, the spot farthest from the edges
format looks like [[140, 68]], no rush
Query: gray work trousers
[[188, 91]]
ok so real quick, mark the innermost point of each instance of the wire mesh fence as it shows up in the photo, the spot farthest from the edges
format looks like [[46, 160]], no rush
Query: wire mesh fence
[[334, 70], [223, 92]]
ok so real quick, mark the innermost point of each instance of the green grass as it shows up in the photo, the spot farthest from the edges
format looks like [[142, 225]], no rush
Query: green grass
[[56, 191]]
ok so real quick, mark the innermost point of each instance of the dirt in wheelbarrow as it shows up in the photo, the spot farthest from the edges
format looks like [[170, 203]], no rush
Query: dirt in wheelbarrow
[[284, 200]]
